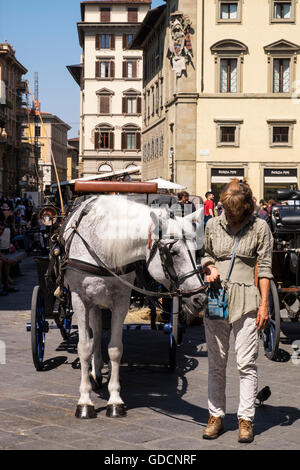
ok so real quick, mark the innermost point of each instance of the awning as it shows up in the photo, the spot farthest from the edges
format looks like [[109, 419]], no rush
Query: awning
[[281, 179], [102, 176]]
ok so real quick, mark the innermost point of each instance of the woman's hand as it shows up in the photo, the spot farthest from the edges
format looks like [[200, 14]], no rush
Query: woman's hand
[[212, 274], [262, 317]]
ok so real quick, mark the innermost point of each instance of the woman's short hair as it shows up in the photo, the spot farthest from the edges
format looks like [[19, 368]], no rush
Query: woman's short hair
[[238, 198]]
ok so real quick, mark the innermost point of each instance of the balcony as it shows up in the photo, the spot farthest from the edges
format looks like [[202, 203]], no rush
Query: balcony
[[21, 86]]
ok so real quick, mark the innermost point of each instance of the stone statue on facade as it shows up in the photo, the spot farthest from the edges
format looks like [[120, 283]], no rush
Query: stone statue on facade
[[180, 51]]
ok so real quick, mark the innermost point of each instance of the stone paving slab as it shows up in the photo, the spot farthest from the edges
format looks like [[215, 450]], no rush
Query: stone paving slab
[[165, 411]]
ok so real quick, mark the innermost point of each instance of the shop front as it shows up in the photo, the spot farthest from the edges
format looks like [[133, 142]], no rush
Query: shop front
[[279, 178], [222, 176]]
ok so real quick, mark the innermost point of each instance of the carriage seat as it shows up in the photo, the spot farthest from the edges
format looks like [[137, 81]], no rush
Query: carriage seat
[[288, 195], [285, 218]]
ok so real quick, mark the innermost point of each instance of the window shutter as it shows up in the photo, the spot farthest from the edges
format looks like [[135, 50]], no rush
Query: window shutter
[[97, 69], [112, 41], [125, 41], [132, 15], [104, 104], [96, 140], [124, 69], [97, 42], [112, 69], [105, 15], [124, 146], [138, 140], [111, 141], [134, 69], [124, 105], [139, 105]]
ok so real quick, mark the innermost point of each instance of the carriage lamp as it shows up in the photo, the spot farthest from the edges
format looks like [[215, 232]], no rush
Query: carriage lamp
[[56, 250]]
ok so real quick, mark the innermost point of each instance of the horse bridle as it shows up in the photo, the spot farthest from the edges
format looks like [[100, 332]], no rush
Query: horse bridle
[[167, 263]]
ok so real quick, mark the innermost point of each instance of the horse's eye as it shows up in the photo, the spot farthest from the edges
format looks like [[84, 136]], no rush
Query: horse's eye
[[174, 253]]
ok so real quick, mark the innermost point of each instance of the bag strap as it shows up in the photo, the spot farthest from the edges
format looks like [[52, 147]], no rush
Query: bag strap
[[233, 257]]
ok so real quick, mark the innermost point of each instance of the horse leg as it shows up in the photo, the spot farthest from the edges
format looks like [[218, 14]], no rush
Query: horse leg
[[115, 404], [97, 361], [85, 407]]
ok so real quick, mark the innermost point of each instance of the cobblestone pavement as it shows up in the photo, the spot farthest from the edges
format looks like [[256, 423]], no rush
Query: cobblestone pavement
[[165, 411]]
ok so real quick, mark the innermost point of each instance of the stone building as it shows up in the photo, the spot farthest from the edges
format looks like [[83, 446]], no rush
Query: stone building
[[11, 116], [111, 78], [221, 96], [51, 138], [73, 159]]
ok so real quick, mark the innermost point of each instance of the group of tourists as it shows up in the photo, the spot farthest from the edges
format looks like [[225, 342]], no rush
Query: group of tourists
[[16, 219]]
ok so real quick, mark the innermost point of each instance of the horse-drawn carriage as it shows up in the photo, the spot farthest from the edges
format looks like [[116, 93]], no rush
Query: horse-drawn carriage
[[107, 250], [285, 290]]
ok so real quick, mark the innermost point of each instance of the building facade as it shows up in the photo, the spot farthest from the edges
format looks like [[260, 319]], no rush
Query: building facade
[[229, 102], [73, 159], [111, 86], [11, 116], [51, 138]]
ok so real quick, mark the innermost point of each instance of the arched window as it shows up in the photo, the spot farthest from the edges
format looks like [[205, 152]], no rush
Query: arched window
[[131, 137], [105, 168], [131, 102], [132, 166], [104, 137], [229, 59]]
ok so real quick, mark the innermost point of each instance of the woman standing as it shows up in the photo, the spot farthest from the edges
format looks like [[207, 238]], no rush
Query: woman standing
[[247, 306]]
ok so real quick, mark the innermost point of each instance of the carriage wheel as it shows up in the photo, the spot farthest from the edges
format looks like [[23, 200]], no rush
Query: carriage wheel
[[39, 328], [271, 334]]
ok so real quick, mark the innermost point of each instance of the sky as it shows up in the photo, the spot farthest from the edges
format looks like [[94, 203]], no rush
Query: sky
[[45, 40]]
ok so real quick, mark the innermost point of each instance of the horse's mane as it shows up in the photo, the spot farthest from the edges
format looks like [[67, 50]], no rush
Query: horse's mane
[[121, 226]]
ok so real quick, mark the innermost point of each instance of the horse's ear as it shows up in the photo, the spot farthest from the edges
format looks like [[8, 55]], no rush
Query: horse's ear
[[197, 216], [157, 225]]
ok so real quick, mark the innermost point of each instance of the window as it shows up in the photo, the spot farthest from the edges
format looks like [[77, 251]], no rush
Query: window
[[228, 132], [229, 11], [104, 103], [104, 138], [228, 76], [281, 75], [132, 15], [282, 11], [132, 105], [229, 59], [105, 168], [105, 15], [130, 69], [281, 132], [37, 131], [131, 138], [127, 39], [105, 41], [282, 60], [105, 69]]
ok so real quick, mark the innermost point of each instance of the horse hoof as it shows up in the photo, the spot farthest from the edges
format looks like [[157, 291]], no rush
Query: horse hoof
[[96, 383], [116, 411], [85, 412]]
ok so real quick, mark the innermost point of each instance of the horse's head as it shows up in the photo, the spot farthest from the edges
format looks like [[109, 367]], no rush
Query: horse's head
[[171, 257]]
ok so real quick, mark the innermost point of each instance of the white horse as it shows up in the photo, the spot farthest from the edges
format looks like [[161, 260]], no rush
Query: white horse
[[118, 232]]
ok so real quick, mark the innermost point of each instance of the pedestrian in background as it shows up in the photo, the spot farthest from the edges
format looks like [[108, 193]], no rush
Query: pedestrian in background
[[208, 207], [247, 306]]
